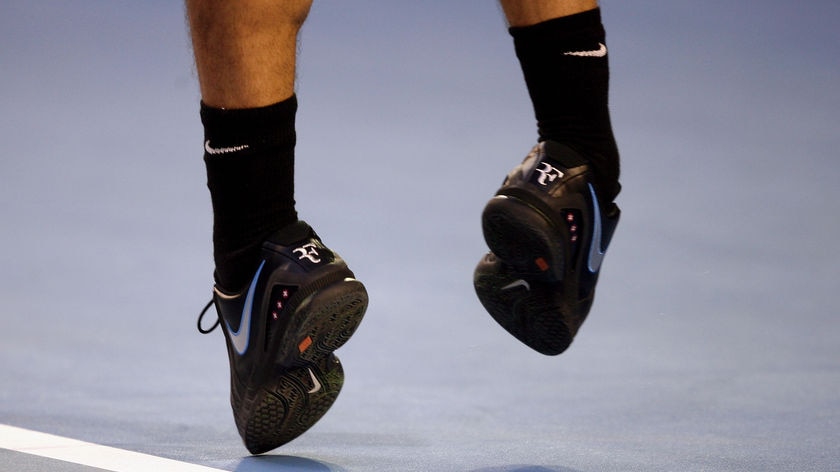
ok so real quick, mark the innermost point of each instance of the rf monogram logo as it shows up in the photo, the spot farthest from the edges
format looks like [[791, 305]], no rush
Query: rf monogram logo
[[308, 251], [548, 173]]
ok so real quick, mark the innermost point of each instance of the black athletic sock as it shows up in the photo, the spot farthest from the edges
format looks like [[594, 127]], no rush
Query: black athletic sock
[[249, 155], [565, 65]]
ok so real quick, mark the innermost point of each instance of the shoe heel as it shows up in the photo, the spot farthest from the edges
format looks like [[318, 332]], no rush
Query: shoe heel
[[523, 238], [333, 313]]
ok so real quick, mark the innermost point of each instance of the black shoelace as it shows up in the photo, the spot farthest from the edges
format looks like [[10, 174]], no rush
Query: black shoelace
[[203, 330]]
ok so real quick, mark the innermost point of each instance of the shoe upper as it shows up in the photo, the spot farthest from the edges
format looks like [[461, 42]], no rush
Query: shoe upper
[[294, 263], [548, 228], [301, 304], [557, 182]]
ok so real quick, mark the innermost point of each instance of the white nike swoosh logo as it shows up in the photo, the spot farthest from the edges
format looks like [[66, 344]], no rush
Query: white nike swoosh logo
[[596, 254], [241, 336], [600, 52], [315, 384], [225, 150], [517, 283]]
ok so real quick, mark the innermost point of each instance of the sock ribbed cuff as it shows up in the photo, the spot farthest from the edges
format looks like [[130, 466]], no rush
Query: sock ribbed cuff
[[573, 30], [230, 128]]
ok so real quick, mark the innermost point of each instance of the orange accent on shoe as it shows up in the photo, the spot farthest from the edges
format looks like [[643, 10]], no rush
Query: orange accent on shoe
[[542, 264], [304, 345]]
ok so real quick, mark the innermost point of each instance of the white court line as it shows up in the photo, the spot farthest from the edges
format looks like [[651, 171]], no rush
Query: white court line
[[89, 454]]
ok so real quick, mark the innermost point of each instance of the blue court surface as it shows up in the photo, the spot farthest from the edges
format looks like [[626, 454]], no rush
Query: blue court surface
[[714, 344]]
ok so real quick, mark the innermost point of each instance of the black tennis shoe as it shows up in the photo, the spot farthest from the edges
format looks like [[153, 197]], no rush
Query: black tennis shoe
[[547, 231], [302, 304]]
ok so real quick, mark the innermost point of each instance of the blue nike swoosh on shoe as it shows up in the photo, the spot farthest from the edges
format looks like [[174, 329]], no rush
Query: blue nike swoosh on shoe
[[596, 252], [242, 335]]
